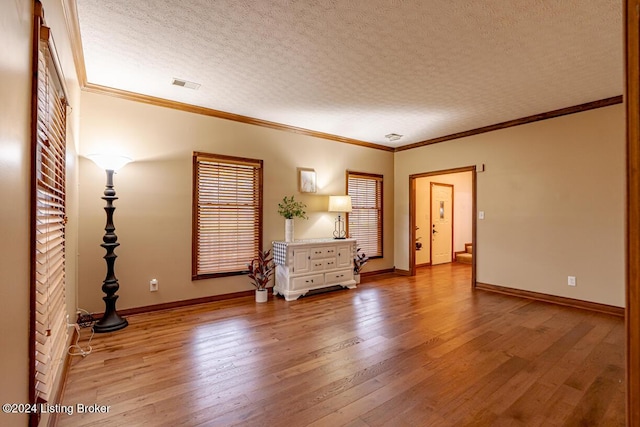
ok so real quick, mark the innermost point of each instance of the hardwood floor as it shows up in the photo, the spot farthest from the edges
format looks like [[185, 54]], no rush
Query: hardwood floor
[[396, 351]]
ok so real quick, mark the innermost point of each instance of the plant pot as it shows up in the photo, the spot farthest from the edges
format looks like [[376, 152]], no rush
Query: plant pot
[[262, 295], [356, 277], [288, 230]]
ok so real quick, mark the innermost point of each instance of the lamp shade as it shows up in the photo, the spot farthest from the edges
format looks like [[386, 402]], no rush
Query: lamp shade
[[339, 203], [109, 161]]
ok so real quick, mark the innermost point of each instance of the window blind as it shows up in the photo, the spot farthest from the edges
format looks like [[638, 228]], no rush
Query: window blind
[[364, 222], [227, 214], [48, 222]]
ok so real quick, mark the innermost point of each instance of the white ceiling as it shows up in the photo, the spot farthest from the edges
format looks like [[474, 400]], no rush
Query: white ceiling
[[361, 69]]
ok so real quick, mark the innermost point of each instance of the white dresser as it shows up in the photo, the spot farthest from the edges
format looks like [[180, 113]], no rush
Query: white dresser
[[304, 265]]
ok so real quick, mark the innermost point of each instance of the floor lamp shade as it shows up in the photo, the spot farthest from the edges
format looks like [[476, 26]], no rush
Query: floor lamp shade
[[109, 161]]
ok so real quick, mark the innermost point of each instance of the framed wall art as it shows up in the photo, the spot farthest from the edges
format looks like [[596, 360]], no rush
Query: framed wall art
[[306, 180]]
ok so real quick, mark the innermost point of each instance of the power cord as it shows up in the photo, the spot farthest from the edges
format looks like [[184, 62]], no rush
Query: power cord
[[85, 320]]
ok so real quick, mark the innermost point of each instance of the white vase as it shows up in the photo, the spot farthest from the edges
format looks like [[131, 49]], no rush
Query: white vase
[[356, 277], [262, 295], [288, 230]]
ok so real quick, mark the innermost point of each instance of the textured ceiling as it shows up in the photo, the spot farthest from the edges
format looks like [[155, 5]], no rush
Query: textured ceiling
[[361, 69]]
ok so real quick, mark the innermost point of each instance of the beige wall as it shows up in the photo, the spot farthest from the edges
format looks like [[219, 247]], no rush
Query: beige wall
[[153, 213], [462, 206], [553, 196], [15, 85], [15, 118]]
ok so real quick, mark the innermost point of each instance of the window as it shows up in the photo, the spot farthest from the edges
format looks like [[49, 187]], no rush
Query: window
[[227, 214], [48, 209], [364, 223]]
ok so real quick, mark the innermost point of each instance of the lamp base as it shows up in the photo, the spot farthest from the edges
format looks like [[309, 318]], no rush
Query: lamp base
[[339, 232], [110, 322]]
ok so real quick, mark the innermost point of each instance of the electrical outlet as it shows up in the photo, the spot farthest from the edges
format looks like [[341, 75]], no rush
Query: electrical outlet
[[153, 285], [72, 325], [571, 280]]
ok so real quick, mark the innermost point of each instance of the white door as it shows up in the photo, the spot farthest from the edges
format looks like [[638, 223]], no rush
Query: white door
[[441, 223]]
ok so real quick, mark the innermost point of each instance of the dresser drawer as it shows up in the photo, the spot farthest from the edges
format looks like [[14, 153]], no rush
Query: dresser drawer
[[337, 277], [330, 264], [307, 282], [317, 264], [323, 252], [330, 251], [316, 253]]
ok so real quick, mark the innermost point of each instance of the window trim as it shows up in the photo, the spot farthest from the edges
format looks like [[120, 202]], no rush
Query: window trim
[[379, 178], [259, 167], [48, 183]]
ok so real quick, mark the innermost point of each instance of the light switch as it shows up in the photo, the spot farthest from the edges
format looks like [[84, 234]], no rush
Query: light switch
[[480, 214]]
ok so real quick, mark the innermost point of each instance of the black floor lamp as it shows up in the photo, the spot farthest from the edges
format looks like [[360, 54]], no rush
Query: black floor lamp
[[111, 320]]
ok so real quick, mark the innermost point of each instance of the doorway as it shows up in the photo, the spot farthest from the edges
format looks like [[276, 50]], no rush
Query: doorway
[[462, 216]]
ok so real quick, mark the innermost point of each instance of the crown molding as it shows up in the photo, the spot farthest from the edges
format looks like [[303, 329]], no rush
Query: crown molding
[[516, 122], [146, 99], [70, 10]]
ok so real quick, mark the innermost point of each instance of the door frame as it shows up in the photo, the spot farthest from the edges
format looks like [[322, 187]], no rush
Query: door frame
[[631, 21], [412, 215], [431, 218]]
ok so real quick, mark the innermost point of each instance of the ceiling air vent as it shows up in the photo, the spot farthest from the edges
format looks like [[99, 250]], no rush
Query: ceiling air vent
[[393, 137], [184, 83]]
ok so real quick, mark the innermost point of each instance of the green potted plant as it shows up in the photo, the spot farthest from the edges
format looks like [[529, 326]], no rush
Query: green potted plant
[[289, 208], [260, 271], [359, 260]]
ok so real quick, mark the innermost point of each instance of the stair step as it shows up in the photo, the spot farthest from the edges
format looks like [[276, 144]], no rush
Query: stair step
[[464, 258], [468, 247]]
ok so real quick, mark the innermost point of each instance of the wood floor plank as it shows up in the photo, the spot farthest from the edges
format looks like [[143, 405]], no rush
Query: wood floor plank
[[355, 410], [396, 351], [592, 407]]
